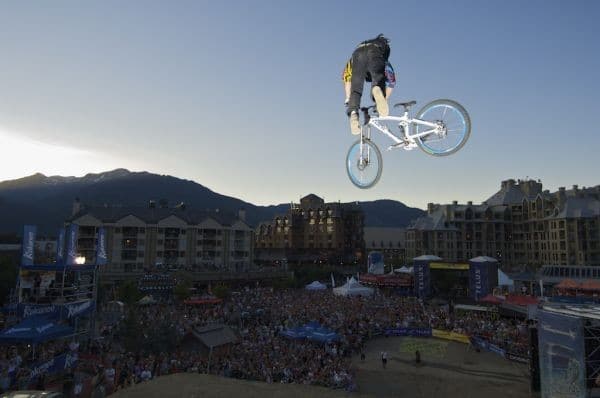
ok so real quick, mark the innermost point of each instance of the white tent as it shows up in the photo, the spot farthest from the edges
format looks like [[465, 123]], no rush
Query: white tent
[[316, 285], [404, 270], [353, 288], [147, 300], [504, 280]]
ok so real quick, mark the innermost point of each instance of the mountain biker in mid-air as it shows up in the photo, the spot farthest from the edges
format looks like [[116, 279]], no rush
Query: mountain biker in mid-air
[[369, 59]]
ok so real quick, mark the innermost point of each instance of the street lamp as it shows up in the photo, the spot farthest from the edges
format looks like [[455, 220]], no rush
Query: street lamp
[[80, 260]]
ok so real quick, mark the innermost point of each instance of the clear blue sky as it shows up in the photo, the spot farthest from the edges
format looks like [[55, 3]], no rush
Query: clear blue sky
[[245, 97]]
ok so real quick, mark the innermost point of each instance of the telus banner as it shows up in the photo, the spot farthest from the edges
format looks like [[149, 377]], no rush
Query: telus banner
[[28, 246]]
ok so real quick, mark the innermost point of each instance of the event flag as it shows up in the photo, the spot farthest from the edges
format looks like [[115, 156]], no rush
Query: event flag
[[72, 243], [332, 280], [101, 257], [28, 246], [60, 246]]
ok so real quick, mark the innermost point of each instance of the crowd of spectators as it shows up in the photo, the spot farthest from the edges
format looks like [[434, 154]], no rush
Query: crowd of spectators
[[258, 315]]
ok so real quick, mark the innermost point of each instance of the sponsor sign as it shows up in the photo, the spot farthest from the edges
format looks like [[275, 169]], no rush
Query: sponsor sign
[[32, 310], [101, 257], [422, 279], [54, 365], [455, 266], [452, 336], [70, 310], [412, 332], [28, 246], [562, 355]]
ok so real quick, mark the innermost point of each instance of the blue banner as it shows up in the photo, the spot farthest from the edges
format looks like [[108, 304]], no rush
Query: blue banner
[[422, 279], [65, 311], [28, 246], [477, 280], [413, 332], [562, 355], [60, 246], [54, 365], [486, 345], [72, 233], [101, 257], [28, 310]]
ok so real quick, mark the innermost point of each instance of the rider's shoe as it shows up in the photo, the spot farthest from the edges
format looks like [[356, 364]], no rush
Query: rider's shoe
[[382, 105], [354, 123]]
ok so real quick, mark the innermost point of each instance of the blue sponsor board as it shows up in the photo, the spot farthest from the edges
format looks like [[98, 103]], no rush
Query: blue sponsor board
[[60, 246], [486, 345], [54, 365], [422, 279], [28, 246], [412, 332], [72, 243], [101, 256], [478, 280], [65, 311], [562, 355]]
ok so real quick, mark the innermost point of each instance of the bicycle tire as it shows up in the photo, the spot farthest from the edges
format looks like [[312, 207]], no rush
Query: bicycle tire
[[352, 159], [466, 131]]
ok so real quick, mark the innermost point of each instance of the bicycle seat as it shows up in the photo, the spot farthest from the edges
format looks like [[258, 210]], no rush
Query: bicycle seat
[[405, 104]]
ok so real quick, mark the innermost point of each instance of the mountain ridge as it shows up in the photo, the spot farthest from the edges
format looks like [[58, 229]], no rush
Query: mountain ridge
[[47, 201]]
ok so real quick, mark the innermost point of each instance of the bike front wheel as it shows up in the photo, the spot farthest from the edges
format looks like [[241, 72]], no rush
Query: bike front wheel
[[364, 164], [455, 125]]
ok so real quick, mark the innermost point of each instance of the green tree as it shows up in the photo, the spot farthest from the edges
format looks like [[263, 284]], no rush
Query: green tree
[[221, 291], [133, 336], [182, 290], [8, 278], [129, 293]]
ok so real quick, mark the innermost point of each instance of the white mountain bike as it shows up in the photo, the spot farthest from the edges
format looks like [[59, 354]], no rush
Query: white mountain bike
[[441, 128]]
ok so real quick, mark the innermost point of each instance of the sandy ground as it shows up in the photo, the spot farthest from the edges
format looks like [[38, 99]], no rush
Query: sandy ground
[[448, 369]]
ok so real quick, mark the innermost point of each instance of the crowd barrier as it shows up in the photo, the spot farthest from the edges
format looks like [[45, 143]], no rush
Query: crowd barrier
[[412, 332], [486, 345], [452, 336]]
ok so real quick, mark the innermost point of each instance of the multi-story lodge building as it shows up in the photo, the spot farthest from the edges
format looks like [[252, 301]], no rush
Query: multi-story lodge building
[[311, 231], [519, 225], [141, 237], [389, 241]]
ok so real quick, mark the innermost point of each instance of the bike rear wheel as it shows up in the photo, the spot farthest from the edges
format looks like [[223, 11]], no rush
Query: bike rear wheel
[[455, 121], [364, 168]]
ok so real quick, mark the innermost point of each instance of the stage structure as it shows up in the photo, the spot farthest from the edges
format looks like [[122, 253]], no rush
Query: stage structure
[[569, 351], [55, 300], [483, 274]]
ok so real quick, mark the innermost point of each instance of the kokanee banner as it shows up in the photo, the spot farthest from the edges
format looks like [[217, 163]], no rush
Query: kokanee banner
[[72, 233], [101, 257], [28, 246], [452, 336], [60, 246]]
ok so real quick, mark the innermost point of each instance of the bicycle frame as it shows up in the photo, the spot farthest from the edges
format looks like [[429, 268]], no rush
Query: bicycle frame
[[404, 121]]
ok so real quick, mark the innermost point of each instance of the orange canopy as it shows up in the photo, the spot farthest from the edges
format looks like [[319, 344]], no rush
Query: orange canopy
[[567, 284], [590, 284]]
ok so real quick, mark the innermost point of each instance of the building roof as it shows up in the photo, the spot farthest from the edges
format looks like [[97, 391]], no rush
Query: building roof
[[215, 335], [385, 235], [427, 257], [483, 259], [435, 221], [112, 214], [579, 208]]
